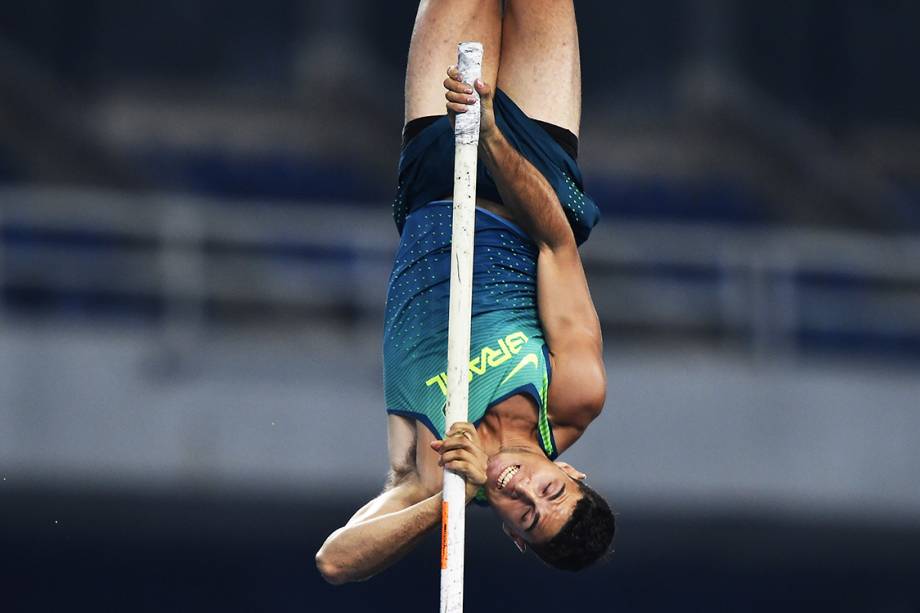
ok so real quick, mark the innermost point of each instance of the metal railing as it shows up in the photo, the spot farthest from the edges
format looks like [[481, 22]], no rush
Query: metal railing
[[766, 285]]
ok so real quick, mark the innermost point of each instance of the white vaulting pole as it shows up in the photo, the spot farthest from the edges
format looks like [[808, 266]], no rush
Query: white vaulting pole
[[453, 510]]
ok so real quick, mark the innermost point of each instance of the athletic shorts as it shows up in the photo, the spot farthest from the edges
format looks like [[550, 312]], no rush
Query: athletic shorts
[[426, 166]]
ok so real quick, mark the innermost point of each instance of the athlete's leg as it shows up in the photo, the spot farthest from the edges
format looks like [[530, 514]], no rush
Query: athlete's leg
[[439, 26], [540, 67]]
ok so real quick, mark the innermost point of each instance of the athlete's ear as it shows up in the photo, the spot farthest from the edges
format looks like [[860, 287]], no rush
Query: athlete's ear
[[571, 471], [521, 543]]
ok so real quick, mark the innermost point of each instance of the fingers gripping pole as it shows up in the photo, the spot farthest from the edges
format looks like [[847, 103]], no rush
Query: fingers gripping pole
[[466, 135]]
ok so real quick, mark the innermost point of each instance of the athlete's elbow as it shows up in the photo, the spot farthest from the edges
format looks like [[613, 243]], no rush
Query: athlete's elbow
[[592, 405], [595, 393], [596, 404], [556, 242], [331, 572]]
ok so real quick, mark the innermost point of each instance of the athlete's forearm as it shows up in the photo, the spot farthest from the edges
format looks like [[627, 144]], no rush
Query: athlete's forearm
[[526, 192], [359, 551]]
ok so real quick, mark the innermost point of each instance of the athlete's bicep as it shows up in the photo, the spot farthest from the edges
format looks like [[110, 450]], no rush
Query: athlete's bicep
[[573, 333], [566, 310]]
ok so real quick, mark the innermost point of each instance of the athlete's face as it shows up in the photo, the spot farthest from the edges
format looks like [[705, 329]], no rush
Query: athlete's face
[[533, 496]]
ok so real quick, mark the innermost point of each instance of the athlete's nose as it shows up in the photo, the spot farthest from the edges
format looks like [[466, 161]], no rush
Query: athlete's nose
[[525, 490]]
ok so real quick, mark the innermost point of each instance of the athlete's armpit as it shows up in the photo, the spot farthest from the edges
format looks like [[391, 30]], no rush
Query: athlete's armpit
[[401, 444]]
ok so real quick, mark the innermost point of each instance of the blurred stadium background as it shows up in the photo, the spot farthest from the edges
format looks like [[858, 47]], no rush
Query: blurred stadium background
[[195, 241]]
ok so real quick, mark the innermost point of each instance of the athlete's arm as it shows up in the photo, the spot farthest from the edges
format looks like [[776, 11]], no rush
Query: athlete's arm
[[567, 312], [378, 535], [524, 191], [390, 525], [385, 528]]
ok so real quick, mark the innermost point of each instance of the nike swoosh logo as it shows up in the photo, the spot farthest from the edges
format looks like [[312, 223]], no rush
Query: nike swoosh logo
[[530, 358]]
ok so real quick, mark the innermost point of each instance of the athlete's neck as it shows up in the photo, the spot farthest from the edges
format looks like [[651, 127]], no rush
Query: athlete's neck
[[510, 424]]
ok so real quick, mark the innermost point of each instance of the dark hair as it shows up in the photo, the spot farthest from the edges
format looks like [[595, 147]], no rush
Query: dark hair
[[585, 538]]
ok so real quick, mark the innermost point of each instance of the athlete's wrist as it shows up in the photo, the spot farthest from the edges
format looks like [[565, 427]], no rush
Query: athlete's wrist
[[490, 139]]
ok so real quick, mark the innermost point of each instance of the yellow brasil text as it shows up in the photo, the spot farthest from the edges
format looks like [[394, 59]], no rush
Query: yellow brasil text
[[488, 358]]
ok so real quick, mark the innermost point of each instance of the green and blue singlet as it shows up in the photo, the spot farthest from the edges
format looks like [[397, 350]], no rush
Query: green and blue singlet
[[508, 354]]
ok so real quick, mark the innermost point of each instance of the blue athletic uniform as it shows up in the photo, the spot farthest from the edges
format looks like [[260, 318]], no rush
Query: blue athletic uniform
[[508, 354]]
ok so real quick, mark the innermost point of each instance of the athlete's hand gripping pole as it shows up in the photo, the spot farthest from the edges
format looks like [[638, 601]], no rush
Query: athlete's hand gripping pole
[[466, 134]]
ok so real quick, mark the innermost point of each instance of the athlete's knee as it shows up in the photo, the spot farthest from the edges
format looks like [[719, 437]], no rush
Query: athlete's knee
[[534, 6], [464, 4]]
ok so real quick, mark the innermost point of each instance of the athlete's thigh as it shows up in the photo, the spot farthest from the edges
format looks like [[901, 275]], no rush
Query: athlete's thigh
[[540, 67], [439, 26]]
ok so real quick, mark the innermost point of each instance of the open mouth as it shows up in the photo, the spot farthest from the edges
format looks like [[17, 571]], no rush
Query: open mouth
[[506, 475]]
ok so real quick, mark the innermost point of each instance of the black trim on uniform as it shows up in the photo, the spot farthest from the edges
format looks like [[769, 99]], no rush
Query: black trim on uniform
[[415, 126], [563, 137]]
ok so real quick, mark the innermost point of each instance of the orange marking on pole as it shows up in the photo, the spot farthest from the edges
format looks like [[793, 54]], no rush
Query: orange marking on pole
[[443, 535]]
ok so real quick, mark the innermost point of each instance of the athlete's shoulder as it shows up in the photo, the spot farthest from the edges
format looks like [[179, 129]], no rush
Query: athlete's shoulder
[[577, 395]]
